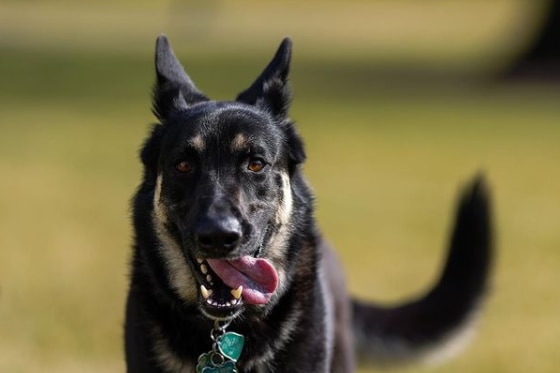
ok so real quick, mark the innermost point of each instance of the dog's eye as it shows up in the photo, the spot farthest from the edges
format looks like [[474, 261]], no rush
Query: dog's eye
[[255, 165], [183, 167]]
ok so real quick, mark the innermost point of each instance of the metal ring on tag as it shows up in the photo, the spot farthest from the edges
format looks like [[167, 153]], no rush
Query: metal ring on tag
[[220, 359], [216, 334]]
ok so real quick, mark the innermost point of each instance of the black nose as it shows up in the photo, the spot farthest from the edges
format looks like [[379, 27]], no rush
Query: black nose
[[218, 236]]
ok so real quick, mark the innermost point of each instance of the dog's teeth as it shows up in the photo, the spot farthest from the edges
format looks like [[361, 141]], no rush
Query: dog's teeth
[[200, 261], [203, 269], [228, 304], [234, 302], [205, 292], [237, 292], [209, 278]]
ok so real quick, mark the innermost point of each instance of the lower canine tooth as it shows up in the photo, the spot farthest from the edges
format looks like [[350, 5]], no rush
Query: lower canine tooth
[[205, 292], [237, 292]]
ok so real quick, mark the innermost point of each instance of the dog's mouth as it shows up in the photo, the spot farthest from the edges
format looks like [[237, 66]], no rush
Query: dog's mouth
[[226, 285]]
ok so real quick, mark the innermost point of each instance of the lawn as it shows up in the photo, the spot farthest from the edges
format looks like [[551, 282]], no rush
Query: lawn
[[396, 118]]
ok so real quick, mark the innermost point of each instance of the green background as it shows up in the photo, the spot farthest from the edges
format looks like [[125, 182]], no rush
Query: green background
[[398, 102]]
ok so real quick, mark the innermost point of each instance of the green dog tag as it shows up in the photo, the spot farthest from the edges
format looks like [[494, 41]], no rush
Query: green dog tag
[[203, 361], [231, 345], [227, 367]]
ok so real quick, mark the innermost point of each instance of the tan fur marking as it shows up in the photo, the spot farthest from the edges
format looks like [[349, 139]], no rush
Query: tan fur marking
[[197, 142], [180, 275], [239, 142], [277, 246], [159, 215], [285, 210], [276, 249]]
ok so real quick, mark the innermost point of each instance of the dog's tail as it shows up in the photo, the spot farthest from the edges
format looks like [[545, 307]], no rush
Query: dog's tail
[[437, 324]]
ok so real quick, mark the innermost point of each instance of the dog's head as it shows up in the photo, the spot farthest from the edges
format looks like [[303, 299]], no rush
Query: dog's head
[[220, 172]]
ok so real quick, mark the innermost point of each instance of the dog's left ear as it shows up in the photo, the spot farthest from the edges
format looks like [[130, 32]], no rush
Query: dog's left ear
[[174, 90], [271, 90]]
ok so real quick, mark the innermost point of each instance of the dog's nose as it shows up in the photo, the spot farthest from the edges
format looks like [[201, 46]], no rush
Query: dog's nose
[[218, 236]]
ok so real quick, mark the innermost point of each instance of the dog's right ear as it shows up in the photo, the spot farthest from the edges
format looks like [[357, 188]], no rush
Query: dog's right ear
[[174, 90]]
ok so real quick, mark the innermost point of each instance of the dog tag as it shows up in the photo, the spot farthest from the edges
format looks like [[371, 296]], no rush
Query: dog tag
[[226, 349], [231, 344], [227, 367], [203, 362]]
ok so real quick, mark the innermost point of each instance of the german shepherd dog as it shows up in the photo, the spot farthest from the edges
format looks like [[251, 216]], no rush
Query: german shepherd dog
[[225, 236]]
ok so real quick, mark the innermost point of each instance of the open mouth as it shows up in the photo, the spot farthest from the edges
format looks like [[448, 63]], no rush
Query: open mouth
[[226, 285]]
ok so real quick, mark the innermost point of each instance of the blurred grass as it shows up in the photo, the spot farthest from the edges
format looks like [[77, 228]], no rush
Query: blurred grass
[[395, 117]]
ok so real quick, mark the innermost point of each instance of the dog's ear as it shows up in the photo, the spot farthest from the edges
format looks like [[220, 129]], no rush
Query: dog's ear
[[149, 153], [271, 90], [174, 90], [296, 148]]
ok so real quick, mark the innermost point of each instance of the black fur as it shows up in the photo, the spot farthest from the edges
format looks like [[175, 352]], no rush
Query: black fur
[[222, 180]]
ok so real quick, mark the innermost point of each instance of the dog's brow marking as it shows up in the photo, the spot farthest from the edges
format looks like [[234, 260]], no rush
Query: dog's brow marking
[[197, 142], [239, 142], [180, 276]]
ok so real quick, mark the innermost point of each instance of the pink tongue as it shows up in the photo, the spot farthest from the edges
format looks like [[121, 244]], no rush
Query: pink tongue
[[257, 276]]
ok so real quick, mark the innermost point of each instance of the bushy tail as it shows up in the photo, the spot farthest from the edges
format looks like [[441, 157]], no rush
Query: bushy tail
[[436, 322]]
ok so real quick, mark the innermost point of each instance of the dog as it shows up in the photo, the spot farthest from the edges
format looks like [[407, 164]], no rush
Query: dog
[[226, 244]]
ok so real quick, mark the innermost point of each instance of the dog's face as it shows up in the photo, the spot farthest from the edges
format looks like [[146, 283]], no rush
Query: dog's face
[[220, 173]]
